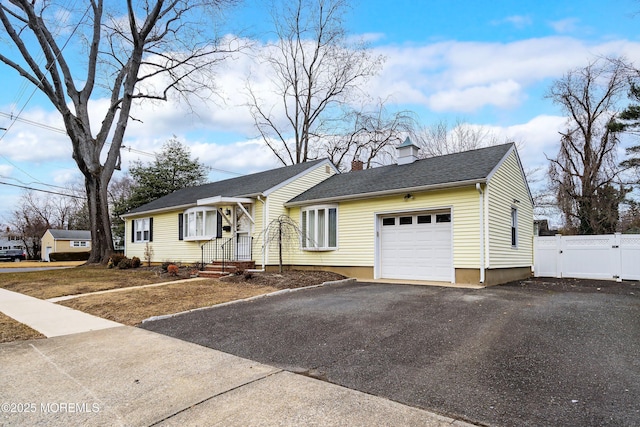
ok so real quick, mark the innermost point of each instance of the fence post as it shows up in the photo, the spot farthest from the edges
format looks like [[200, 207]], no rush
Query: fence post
[[559, 251], [616, 257]]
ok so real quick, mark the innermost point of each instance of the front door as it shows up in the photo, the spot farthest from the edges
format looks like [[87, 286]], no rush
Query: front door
[[243, 235]]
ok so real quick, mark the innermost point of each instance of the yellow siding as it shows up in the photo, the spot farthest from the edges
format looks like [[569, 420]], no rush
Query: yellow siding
[[167, 247], [356, 227], [506, 185], [47, 240], [65, 246], [276, 201]]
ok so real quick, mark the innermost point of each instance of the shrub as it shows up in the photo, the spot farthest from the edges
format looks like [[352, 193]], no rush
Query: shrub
[[197, 266], [116, 258], [248, 275], [69, 256], [166, 264], [135, 262], [172, 269], [124, 264]]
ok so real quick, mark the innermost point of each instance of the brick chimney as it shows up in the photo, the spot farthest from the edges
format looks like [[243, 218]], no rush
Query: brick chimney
[[357, 165]]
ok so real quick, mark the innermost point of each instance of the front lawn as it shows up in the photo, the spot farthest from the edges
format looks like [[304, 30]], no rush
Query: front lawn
[[79, 280], [12, 330], [130, 307]]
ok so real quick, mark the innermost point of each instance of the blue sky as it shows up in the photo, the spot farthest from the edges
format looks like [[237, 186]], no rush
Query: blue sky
[[488, 63]]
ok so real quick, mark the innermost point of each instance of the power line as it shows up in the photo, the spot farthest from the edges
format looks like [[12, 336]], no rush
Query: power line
[[40, 190], [13, 117]]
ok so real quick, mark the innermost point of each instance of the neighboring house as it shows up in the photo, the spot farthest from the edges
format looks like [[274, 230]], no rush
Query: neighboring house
[[9, 240], [65, 241], [462, 218]]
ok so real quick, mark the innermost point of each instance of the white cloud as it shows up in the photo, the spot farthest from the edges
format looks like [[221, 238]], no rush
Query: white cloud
[[564, 26], [67, 176], [25, 141], [518, 21], [420, 74], [5, 171], [501, 94], [536, 139]]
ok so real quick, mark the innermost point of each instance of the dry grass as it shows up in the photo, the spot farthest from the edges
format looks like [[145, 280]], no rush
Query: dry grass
[[39, 264], [12, 330], [132, 307], [80, 280]]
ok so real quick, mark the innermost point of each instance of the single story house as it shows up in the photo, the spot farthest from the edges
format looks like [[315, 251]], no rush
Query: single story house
[[461, 218], [65, 241]]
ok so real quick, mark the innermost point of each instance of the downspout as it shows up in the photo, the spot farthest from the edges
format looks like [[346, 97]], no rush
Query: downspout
[[479, 188], [264, 230]]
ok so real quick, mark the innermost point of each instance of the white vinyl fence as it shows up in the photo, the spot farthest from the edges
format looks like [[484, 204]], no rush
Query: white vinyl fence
[[609, 256]]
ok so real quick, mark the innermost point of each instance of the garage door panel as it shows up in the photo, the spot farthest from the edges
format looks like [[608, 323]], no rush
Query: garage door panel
[[418, 251]]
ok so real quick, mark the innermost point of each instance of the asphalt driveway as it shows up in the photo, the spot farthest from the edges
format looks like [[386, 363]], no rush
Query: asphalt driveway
[[504, 356]]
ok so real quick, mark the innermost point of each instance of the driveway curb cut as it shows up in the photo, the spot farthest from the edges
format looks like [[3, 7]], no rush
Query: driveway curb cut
[[271, 294]]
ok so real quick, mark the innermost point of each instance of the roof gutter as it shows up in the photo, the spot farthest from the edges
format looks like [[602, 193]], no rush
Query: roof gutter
[[159, 210], [360, 196]]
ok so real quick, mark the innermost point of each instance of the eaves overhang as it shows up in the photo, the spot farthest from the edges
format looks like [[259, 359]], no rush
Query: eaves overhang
[[159, 210], [221, 200], [361, 196]]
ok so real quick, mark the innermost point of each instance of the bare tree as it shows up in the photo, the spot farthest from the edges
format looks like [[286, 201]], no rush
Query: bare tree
[[444, 138], [314, 69], [368, 135], [585, 172], [144, 50]]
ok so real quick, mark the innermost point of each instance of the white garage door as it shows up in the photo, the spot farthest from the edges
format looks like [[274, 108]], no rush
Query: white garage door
[[416, 246]]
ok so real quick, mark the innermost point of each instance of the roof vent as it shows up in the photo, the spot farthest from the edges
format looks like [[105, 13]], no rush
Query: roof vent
[[407, 152]]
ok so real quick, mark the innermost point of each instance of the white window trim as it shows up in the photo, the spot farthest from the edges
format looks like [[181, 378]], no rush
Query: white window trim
[[513, 229], [141, 229], [310, 240], [79, 244], [197, 237]]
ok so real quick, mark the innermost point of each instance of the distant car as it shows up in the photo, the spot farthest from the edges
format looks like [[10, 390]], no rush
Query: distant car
[[16, 255]]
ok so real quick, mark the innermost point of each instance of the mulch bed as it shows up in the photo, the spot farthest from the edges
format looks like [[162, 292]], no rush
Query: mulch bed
[[577, 285], [285, 280]]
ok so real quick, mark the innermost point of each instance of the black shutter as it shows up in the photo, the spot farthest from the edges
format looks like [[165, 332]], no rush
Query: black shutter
[[219, 227], [133, 230], [151, 229], [180, 227]]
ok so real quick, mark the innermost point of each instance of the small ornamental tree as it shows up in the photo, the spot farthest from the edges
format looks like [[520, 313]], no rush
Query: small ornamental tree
[[284, 232]]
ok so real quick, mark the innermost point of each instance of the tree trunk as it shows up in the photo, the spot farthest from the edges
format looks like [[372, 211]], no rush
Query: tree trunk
[[101, 239], [280, 245]]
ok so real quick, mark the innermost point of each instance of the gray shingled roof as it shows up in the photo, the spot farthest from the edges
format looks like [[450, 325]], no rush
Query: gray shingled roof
[[247, 185], [71, 234], [449, 169]]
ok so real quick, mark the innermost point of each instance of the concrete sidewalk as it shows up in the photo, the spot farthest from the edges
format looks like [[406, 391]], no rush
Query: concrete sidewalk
[[131, 377], [51, 320], [95, 372]]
